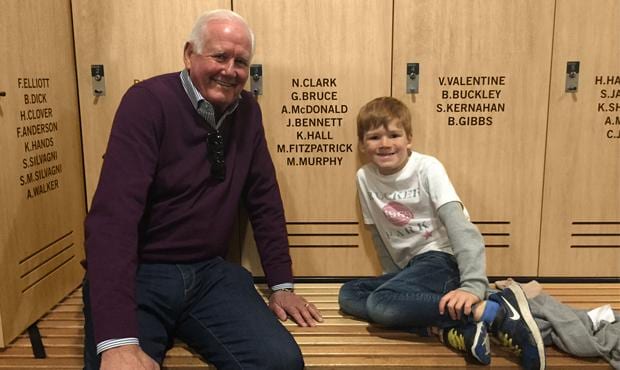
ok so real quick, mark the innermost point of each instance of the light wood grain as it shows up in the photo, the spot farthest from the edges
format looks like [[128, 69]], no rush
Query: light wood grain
[[349, 44], [496, 169], [133, 41], [40, 233], [581, 202], [341, 342]]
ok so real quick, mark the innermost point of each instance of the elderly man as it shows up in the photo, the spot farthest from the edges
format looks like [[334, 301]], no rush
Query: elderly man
[[185, 150]]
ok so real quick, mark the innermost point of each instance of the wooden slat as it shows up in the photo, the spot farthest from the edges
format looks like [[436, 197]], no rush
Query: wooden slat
[[341, 342]]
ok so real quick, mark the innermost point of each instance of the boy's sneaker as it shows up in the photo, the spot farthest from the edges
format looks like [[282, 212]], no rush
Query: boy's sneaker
[[471, 338], [515, 327]]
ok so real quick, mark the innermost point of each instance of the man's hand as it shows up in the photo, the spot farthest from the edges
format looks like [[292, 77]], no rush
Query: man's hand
[[129, 357], [284, 303], [457, 301]]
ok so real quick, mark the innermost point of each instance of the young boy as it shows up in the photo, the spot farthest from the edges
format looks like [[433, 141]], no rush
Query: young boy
[[432, 254]]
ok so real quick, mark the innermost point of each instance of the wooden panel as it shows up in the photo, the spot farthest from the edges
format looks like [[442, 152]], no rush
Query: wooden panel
[[482, 109], [340, 342], [581, 203], [41, 188], [321, 60], [133, 40]]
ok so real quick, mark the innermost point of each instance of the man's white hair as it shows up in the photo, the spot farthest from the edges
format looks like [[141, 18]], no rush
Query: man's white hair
[[196, 37]]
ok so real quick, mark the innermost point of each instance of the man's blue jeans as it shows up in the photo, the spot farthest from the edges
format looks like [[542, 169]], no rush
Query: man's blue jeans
[[214, 308], [408, 299]]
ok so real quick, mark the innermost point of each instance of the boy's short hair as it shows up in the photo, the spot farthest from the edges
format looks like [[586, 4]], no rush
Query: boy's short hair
[[380, 112]]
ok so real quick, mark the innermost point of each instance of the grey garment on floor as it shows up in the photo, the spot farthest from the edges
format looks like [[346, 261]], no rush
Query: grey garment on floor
[[571, 330]]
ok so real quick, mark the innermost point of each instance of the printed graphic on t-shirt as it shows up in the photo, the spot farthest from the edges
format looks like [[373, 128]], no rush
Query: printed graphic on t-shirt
[[397, 214], [412, 230], [401, 216], [403, 207], [412, 195]]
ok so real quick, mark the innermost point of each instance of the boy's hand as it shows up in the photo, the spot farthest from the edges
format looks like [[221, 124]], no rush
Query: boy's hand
[[457, 301]]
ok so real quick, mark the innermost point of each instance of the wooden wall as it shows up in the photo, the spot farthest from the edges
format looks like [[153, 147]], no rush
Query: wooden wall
[[482, 110], [537, 167], [581, 199], [132, 40], [319, 67], [41, 186]]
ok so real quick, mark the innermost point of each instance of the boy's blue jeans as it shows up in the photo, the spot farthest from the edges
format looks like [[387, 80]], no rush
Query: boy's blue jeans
[[408, 299], [213, 307]]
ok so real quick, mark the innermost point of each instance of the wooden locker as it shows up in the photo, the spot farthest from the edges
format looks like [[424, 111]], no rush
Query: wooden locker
[[132, 40], [581, 202], [321, 61], [481, 109], [41, 188]]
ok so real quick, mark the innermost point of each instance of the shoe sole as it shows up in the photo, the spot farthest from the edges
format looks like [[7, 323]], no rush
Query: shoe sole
[[526, 314]]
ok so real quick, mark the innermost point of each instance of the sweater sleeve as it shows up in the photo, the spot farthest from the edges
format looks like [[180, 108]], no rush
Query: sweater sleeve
[[468, 246], [386, 260], [112, 223], [265, 210]]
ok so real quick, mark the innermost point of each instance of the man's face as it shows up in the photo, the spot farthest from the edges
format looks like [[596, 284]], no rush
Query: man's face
[[220, 71]]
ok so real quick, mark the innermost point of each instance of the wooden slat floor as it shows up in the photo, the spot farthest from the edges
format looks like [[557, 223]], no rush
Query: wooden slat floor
[[341, 342]]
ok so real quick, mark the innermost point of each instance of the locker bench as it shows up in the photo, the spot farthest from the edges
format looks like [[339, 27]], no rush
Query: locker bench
[[341, 342]]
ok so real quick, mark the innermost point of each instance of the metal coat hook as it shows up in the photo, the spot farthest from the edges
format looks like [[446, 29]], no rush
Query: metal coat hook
[[256, 83], [413, 80], [572, 77], [98, 79]]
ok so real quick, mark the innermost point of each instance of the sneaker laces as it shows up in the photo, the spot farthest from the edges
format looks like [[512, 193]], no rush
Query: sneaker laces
[[456, 339], [506, 341]]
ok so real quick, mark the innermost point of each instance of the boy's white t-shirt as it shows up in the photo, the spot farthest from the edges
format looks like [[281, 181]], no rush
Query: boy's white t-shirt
[[403, 206]]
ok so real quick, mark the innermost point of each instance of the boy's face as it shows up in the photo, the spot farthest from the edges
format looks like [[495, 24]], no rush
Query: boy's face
[[387, 149]]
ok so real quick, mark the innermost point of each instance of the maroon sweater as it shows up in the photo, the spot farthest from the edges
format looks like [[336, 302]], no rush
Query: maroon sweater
[[156, 200]]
